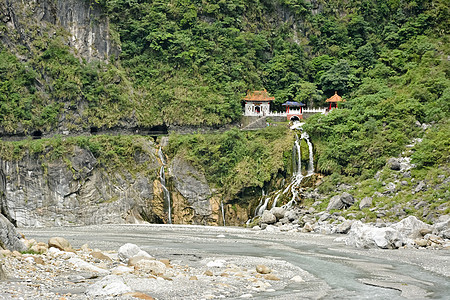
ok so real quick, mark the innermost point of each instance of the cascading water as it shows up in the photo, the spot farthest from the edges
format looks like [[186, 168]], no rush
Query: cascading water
[[223, 213], [166, 193], [297, 176], [297, 172]]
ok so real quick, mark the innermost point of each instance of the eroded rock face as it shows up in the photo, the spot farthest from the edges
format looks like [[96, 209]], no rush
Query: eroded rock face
[[87, 25], [194, 189], [75, 190], [9, 238]]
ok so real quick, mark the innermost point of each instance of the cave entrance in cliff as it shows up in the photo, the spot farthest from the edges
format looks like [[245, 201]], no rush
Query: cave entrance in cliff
[[94, 130], [37, 134]]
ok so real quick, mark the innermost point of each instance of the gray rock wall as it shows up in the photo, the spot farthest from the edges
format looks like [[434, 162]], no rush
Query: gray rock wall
[[88, 27], [75, 190]]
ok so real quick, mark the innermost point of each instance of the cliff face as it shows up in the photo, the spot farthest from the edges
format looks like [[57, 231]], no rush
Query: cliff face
[[74, 190], [79, 189], [87, 28]]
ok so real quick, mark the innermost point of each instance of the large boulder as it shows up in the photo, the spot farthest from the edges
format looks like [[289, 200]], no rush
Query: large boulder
[[129, 250], [335, 203], [411, 227], [110, 285], [394, 164], [347, 199], [59, 243], [268, 217], [442, 229], [278, 212], [366, 202], [366, 236], [341, 201], [9, 238]]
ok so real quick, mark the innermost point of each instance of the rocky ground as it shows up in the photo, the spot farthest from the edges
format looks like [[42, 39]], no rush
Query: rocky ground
[[407, 233], [55, 270]]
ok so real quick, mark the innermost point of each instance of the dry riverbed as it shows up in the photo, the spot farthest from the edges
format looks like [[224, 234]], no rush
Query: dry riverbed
[[194, 262]]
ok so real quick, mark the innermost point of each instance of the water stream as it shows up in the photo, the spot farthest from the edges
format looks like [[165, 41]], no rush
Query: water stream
[[166, 193], [297, 176], [339, 271]]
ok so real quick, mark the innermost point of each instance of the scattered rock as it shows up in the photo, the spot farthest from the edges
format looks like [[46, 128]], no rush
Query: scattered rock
[[366, 202], [344, 227], [110, 285], [271, 277], [262, 269], [268, 218], [99, 255], [135, 259], [39, 248], [394, 164], [59, 243], [84, 265], [2, 273], [278, 212], [208, 273], [421, 186], [140, 295], [219, 263], [129, 250], [291, 215], [297, 278], [150, 266]]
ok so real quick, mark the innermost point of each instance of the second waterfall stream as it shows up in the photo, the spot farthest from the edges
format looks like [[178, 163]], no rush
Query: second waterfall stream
[[297, 176]]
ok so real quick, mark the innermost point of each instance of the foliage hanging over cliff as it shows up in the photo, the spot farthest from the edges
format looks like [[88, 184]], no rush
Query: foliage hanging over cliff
[[236, 160], [189, 62]]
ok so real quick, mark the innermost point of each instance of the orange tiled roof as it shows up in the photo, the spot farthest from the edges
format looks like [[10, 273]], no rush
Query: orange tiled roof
[[258, 96], [335, 98]]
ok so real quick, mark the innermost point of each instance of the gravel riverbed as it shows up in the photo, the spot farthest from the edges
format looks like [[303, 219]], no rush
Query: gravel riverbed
[[196, 262]]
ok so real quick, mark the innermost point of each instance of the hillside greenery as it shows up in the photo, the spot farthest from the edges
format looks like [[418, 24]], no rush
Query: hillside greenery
[[190, 62], [236, 160]]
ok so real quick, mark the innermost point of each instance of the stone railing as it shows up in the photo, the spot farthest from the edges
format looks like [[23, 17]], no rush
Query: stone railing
[[284, 114]]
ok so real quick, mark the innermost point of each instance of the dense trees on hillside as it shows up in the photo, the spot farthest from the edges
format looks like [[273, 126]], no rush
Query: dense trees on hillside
[[191, 61]]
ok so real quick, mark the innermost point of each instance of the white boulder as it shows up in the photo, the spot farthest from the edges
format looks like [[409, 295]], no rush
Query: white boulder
[[129, 250], [110, 285], [366, 236]]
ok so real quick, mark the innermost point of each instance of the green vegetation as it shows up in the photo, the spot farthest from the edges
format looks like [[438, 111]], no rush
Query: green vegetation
[[236, 160], [189, 62], [112, 152]]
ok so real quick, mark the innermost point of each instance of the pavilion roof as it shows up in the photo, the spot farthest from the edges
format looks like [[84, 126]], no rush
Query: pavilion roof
[[258, 96], [335, 98]]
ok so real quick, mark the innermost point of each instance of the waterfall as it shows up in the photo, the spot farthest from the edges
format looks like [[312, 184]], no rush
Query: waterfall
[[161, 156], [296, 157], [162, 179], [263, 207], [297, 177], [223, 212], [274, 204], [310, 170]]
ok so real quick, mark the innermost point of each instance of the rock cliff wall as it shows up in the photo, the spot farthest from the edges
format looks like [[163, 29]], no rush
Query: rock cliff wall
[[77, 189], [87, 28]]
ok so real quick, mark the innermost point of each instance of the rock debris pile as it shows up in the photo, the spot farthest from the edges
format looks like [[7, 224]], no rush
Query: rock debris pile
[[409, 232], [55, 270]]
